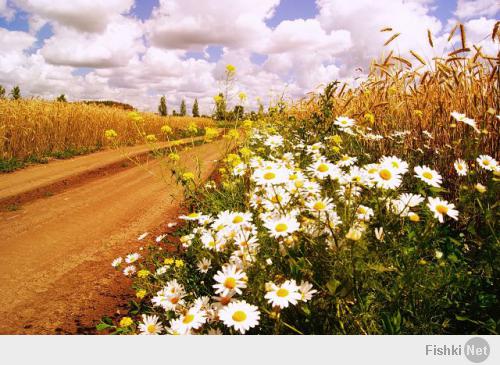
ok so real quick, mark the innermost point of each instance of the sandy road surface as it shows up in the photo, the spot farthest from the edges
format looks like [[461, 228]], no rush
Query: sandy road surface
[[55, 252]]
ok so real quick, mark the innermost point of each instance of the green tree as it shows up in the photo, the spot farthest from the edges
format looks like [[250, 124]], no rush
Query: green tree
[[183, 108], [220, 107], [162, 108], [174, 113], [238, 112], [196, 111], [15, 93], [260, 113], [61, 98], [2, 92]]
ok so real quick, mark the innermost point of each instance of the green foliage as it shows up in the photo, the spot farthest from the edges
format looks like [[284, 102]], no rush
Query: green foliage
[[61, 98], [196, 111], [15, 93], [162, 108], [2, 92], [183, 111], [220, 107]]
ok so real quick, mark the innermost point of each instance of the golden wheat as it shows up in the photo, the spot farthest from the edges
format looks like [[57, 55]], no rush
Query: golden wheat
[[40, 128]]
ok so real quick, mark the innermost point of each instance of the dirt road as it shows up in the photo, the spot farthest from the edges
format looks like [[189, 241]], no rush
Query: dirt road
[[55, 252]]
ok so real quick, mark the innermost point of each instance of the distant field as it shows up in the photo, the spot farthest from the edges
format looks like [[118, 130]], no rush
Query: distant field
[[34, 130]]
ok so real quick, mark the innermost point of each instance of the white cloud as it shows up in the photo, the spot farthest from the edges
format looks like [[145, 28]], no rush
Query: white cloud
[[474, 8], [306, 36], [83, 15], [121, 40], [193, 24], [6, 11], [365, 18], [12, 51]]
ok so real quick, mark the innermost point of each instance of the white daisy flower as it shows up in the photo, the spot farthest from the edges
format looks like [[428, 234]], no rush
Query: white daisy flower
[[131, 258], [284, 294], [487, 162], [229, 279], [161, 270], [150, 325], [129, 270], [306, 291], [387, 177], [322, 169], [204, 265], [428, 175], [461, 167], [270, 176], [346, 160], [117, 262], [344, 122], [240, 315], [192, 320], [462, 118], [399, 165], [274, 141], [320, 205], [282, 226], [440, 208], [364, 213], [142, 236]]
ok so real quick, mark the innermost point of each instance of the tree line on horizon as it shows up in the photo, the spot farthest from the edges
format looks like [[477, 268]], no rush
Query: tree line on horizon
[[220, 112]]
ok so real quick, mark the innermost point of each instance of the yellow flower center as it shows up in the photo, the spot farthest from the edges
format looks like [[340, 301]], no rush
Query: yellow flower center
[[442, 209], [372, 170], [414, 217], [188, 318], [385, 174], [282, 292], [193, 215], [299, 184], [319, 205], [361, 210], [395, 164], [323, 168], [345, 158], [239, 316], [174, 300], [237, 219], [276, 199], [427, 175], [486, 162], [151, 328], [292, 177], [230, 283], [269, 175], [281, 227]]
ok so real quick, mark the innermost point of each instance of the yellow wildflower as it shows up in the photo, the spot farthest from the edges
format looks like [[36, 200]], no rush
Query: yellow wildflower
[[110, 134], [126, 322], [140, 293]]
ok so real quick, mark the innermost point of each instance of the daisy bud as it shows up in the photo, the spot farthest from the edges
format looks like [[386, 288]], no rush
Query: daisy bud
[[480, 187], [414, 217]]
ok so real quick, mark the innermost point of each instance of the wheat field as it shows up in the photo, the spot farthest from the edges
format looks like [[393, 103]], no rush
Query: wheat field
[[38, 128]]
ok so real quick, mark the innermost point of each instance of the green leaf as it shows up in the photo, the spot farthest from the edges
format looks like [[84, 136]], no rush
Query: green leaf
[[332, 286], [102, 326]]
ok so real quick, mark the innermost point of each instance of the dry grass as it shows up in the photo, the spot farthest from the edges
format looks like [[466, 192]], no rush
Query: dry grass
[[416, 95], [41, 128]]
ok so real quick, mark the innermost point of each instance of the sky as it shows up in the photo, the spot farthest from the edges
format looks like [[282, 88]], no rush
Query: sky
[[136, 51]]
